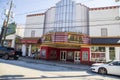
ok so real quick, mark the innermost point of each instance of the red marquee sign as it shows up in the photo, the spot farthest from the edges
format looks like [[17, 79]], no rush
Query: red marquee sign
[[29, 41]]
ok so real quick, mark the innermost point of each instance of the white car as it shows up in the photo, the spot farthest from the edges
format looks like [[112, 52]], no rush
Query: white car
[[108, 68]]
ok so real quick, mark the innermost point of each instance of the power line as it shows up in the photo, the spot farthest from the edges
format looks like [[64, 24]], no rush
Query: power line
[[30, 12], [43, 9], [64, 22], [75, 21], [97, 25], [39, 10]]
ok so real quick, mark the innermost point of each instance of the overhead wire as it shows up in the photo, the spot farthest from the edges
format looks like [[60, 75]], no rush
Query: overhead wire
[[75, 21], [89, 26]]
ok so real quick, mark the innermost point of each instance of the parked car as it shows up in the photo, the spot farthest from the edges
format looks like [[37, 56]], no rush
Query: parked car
[[19, 52], [112, 67], [8, 52]]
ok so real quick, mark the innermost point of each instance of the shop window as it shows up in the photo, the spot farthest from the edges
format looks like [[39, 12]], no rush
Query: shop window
[[98, 54], [70, 55], [43, 53], [53, 54], [85, 55], [97, 49], [112, 53], [98, 57]]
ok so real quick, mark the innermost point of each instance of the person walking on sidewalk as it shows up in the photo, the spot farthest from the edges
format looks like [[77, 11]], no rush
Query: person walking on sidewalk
[[37, 54]]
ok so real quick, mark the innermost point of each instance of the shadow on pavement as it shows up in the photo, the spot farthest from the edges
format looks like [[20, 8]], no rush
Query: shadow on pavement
[[47, 68], [21, 77], [40, 67]]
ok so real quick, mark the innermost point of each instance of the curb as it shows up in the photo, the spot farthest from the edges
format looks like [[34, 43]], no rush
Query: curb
[[74, 66]]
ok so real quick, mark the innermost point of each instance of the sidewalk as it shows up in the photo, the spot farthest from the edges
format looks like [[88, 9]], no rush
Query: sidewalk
[[56, 63]]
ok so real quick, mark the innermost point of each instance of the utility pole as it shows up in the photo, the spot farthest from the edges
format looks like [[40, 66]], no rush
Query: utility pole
[[5, 25]]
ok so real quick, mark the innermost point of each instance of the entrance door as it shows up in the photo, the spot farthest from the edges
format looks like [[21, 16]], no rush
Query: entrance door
[[77, 56], [63, 55]]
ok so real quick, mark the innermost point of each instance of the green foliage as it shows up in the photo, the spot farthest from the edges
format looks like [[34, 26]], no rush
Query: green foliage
[[11, 29]]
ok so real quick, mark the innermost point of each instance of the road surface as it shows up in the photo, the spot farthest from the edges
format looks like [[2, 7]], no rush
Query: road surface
[[21, 70]]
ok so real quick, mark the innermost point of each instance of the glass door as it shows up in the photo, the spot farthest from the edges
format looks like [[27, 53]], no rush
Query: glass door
[[77, 56], [63, 55]]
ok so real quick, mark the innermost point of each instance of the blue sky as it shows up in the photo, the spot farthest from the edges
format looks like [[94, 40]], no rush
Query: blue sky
[[24, 7]]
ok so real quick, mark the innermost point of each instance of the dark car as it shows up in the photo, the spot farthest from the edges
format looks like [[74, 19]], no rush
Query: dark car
[[19, 52], [8, 52]]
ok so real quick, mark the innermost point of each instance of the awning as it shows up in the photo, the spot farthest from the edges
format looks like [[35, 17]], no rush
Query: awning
[[32, 40], [110, 41]]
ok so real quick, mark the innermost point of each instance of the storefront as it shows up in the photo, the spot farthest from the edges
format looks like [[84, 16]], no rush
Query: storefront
[[60, 53], [29, 45], [105, 49], [66, 46]]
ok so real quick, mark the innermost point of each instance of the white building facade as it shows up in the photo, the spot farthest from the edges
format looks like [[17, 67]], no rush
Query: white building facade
[[20, 30], [32, 33], [67, 16], [105, 33], [102, 25], [34, 25]]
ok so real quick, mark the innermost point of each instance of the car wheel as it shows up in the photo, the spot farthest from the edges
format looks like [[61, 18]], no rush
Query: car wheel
[[102, 71], [6, 56]]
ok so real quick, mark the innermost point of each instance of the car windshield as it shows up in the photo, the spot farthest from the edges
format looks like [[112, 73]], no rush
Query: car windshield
[[10, 49], [108, 62]]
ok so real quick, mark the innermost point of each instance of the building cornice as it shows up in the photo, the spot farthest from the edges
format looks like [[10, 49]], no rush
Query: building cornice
[[104, 8], [39, 14], [105, 37]]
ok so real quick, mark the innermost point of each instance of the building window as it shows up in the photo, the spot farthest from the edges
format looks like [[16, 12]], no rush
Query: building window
[[43, 53], [64, 14], [85, 55], [33, 33], [112, 53], [103, 31], [98, 54], [53, 54], [70, 55]]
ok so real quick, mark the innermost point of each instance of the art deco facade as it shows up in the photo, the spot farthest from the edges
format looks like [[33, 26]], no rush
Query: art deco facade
[[76, 33]]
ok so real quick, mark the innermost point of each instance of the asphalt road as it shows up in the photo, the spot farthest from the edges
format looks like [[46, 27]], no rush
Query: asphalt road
[[20, 70]]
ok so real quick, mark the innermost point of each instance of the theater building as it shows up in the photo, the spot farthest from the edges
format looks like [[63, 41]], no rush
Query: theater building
[[75, 33], [66, 33], [65, 46]]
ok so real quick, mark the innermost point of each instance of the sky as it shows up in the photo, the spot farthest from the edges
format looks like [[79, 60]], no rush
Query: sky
[[22, 8]]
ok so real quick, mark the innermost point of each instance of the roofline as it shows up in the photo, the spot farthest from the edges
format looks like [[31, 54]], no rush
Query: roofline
[[91, 9], [82, 5], [104, 8], [50, 8], [31, 37], [106, 37], [38, 14]]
